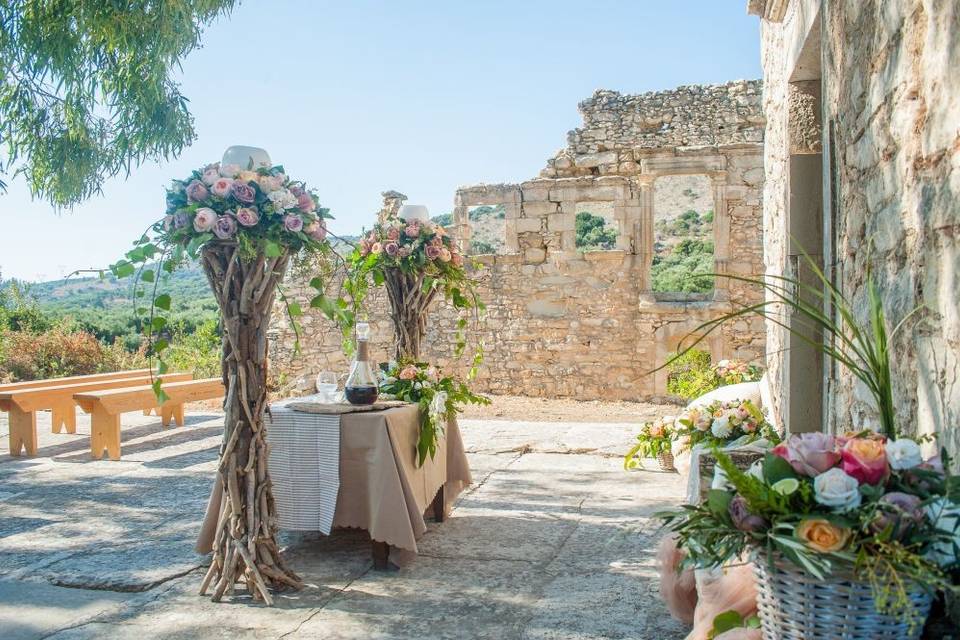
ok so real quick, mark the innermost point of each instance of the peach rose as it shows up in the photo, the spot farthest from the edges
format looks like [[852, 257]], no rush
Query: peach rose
[[865, 459], [822, 536], [409, 372]]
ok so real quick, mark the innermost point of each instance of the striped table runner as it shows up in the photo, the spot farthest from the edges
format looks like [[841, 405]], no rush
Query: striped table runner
[[304, 467]]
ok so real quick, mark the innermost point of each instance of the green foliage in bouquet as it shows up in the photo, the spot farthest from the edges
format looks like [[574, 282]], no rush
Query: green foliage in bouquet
[[859, 504], [439, 397], [654, 438]]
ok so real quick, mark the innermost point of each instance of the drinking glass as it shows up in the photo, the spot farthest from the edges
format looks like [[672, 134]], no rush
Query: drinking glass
[[327, 385]]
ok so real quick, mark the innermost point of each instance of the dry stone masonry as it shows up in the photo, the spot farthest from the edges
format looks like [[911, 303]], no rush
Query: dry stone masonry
[[561, 322]]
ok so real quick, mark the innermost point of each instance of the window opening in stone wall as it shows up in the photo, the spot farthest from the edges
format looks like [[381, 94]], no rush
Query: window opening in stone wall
[[683, 212], [596, 226], [487, 228]]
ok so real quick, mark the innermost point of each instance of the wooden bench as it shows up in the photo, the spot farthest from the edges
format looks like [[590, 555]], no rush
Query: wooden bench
[[22, 405], [105, 408]]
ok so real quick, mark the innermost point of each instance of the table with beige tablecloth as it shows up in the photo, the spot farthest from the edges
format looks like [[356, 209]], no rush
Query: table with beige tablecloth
[[382, 490]]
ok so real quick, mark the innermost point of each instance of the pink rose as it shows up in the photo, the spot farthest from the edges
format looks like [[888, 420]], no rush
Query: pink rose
[[437, 242], [409, 372], [221, 187], [412, 230], [204, 220], [295, 189], [393, 234], [404, 252], [247, 216], [229, 170], [316, 230], [243, 192], [269, 183], [364, 247], [433, 252], [292, 224], [391, 249], [225, 228], [211, 174], [865, 459], [457, 260], [305, 202], [445, 254], [197, 191], [376, 248], [809, 454]]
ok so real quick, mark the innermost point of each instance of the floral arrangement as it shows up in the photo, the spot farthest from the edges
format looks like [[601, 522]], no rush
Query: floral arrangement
[[719, 424], [858, 502], [736, 371], [397, 243], [654, 438], [440, 398]]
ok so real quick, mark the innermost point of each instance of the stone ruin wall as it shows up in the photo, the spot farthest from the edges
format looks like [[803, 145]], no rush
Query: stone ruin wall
[[566, 323]]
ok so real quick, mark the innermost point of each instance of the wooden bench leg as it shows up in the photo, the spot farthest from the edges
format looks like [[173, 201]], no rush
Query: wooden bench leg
[[381, 555], [439, 506], [64, 416], [23, 431], [104, 434], [171, 412]]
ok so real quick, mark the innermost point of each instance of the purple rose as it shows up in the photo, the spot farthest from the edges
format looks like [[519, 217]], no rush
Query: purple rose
[[391, 249], [242, 192], [225, 228], [247, 216], [204, 220], [316, 230], [197, 191], [404, 252], [180, 219], [305, 202], [742, 518], [809, 454], [433, 252], [292, 224], [898, 510]]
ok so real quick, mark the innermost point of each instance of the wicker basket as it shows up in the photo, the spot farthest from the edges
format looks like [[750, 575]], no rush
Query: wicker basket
[[794, 605], [665, 458]]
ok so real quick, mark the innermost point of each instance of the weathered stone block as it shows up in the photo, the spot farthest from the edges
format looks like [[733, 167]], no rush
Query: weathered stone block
[[590, 160]]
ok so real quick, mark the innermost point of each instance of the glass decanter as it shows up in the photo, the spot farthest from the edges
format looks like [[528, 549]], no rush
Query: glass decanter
[[361, 386]]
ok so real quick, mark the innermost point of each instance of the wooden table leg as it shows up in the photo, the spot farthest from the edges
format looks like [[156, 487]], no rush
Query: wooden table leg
[[23, 431], [439, 506], [381, 555]]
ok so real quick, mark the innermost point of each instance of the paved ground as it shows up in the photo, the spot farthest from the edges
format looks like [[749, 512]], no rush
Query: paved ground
[[553, 541]]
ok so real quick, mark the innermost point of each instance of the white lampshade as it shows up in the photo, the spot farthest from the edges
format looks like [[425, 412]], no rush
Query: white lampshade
[[247, 157], [411, 212]]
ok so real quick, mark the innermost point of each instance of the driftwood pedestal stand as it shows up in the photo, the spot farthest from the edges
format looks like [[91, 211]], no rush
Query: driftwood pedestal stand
[[245, 546], [408, 310]]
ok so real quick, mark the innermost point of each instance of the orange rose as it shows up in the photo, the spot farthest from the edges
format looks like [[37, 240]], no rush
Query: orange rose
[[822, 536]]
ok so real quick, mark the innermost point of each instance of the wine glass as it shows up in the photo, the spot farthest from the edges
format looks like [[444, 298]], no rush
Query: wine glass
[[327, 385]]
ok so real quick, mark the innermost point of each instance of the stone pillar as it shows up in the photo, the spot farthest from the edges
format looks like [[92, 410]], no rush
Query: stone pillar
[[461, 226], [643, 237], [721, 235]]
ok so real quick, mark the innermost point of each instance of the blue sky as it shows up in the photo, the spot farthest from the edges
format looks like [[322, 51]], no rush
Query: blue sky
[[363, 96]]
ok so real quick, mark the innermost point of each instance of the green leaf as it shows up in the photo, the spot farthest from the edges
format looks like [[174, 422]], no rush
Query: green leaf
[[271, 249], [378, 277], [162, 367], [718, 501], [122, 269], [317, 283], [294, 309], [196, 242], [162, 301], [776, 469], [158, 323], [726, 621], [160, 345], [159, 392], [147, 275]]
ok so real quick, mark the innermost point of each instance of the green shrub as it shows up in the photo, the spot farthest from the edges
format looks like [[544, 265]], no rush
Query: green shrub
[[592, 232], [690, 376], [197, 352], [60, 351], [481, 246], [673, 271]]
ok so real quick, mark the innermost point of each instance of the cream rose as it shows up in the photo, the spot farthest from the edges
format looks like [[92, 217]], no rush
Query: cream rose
[[903, 453], [837, 490], [823, 536]]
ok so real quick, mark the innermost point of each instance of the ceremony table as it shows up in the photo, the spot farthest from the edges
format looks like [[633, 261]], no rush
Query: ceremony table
[[381, 488]]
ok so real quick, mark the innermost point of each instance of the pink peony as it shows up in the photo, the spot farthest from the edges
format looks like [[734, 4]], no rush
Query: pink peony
[[225, 228], [222, 187], [293, 224], [316, 230], [391, 249], [376, 248], [306, 203], [409, 372], [204, 220], [229, 170], [211, 174], [247, 216], [197, 191], [243, 192], [865, 459], [393, 234], [809, 454], [433, 252], [412, 230]]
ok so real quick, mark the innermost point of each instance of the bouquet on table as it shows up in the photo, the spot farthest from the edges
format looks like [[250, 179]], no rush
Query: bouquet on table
[[722, 424], [856, 504], [653, 441], [439, 397], [736, 371]]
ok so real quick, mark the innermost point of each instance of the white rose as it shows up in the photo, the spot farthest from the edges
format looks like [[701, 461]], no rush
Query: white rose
[[903, 453], [945, 516], [229, 170], [721, 427], [282, 199], [836, 489]]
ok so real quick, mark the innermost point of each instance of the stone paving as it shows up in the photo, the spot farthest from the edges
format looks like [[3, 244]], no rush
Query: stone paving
[[553, 541]]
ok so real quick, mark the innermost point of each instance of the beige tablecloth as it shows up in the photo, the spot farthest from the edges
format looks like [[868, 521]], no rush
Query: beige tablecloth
[[381, 488]]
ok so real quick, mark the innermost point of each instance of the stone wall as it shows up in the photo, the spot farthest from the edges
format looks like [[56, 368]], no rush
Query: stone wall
[[891, 108], [565, 323]]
